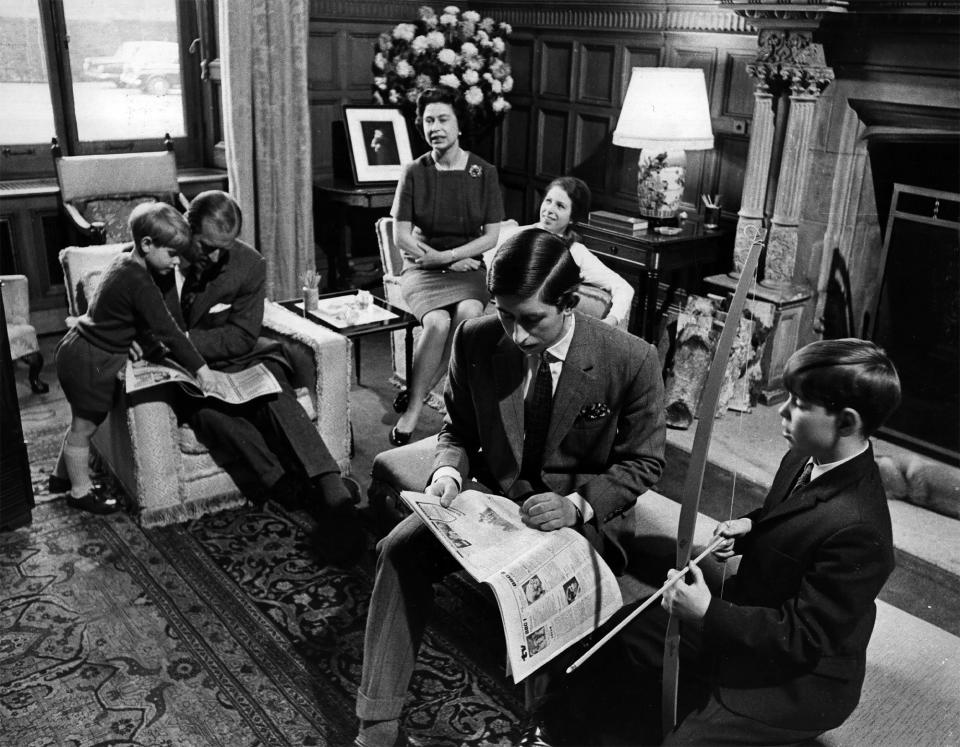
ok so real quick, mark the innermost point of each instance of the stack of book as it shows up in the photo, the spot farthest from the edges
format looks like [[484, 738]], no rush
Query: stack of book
[[617, 222]]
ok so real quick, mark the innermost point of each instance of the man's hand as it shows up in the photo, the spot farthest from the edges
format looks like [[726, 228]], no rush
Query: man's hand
[[445, 488], [135, 353], [731, 530], [548, 511], [209, 380], [612, 320], [688, 601]]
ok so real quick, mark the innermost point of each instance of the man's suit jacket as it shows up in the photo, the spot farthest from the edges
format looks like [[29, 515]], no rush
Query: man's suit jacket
[[791, 635], [607, 429], [226, 316]]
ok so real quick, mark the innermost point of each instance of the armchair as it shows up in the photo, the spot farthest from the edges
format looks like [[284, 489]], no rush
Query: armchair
[[22, 334], [99, 192], [168, 474]]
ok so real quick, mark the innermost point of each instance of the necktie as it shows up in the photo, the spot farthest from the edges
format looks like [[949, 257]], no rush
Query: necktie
[[536, 420], [189, 291], [804, 478]]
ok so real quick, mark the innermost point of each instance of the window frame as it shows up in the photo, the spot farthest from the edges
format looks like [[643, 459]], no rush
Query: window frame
[[193, 149]]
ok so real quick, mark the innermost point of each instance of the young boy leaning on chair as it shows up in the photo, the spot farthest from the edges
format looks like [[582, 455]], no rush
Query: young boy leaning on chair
[[128, 307]]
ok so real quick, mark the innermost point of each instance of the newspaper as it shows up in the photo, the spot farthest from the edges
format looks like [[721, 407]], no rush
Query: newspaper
[[233, 388], [552, 587]]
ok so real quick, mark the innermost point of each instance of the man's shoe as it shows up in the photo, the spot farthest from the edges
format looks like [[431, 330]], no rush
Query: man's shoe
[[535, 735], [340, 536]]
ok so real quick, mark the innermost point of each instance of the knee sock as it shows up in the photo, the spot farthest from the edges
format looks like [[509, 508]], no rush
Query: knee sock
[[76, 459], [378, 733]]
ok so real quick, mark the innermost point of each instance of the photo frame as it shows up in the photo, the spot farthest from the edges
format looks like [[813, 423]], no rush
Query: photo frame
[[378, 141]]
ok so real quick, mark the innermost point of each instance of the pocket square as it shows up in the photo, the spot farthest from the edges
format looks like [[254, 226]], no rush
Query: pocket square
[[594, 411], [218, 307]]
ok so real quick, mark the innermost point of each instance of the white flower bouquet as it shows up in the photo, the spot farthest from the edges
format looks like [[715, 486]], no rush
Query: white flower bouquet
[[463, 51]]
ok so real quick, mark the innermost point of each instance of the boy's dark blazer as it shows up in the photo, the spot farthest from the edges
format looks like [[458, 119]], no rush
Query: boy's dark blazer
[[607, 430], [790, 636]]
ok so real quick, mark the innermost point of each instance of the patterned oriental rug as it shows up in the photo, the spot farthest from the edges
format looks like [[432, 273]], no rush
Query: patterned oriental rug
[[220, 631]]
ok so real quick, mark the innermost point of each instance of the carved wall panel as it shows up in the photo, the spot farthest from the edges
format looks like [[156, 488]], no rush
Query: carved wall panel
[[597, 83], [556, 70], [551, 143]]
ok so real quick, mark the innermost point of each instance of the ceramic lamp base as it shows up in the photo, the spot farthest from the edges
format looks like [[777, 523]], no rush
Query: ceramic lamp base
[[660, 181]]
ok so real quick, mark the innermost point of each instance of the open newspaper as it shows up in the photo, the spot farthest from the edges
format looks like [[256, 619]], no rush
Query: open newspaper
[[233, 388], [552, 587]]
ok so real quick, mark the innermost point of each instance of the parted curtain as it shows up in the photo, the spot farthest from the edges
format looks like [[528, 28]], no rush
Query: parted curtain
[[266, 121]]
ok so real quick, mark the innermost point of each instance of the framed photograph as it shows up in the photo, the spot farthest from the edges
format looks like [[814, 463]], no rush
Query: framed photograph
[[378, 142]]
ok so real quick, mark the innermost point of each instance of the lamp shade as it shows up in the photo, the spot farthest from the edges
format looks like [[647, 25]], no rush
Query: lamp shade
[[665, 109]]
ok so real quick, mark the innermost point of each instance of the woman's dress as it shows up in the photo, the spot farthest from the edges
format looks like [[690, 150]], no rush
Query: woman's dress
[[450, 208]]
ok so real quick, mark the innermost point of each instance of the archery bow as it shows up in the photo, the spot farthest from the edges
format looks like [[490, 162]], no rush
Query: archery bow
[[693, 484]]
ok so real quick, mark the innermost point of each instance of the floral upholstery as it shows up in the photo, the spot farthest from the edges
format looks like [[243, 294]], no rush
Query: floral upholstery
[[114, 212]]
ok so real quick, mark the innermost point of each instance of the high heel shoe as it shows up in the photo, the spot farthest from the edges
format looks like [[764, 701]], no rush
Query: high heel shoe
[[398, 437], [401, 401]]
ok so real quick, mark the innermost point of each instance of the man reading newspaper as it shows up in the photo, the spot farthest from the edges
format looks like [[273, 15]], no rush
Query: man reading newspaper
[[560, 413]]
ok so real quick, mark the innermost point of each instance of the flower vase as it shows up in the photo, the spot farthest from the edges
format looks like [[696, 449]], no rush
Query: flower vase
[[311, 299]]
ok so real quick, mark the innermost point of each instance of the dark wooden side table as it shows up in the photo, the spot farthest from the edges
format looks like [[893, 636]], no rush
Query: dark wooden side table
[[403, 320], [654, 254], [334, 199]]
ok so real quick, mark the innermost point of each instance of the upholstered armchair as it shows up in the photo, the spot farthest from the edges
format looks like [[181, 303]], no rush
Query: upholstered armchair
[[99, 192], [22, 334], [168, 474], [593, 301]]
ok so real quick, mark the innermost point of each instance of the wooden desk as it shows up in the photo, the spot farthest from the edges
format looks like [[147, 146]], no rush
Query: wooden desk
[[334, 199], [693, 248]]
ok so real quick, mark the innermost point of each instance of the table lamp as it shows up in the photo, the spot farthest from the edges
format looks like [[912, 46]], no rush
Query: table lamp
[[664, 114]]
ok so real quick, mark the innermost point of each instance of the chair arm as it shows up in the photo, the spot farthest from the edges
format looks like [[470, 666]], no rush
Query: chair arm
[[329, 381], [95, 231], [16, 298]]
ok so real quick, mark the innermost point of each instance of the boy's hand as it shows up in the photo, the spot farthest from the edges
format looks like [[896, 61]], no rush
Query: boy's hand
[[731, 530], [548, 511], [688, 599], [445, 488], [135, 353]]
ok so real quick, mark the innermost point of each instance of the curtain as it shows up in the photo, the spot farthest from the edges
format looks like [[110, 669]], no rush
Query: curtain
[[266, 122]]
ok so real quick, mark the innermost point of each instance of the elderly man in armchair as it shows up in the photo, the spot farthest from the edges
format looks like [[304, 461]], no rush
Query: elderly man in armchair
[[269, 446]]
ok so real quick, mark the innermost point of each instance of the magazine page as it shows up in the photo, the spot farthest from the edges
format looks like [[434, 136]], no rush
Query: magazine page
[[233, 388], [551, 597], [552, 587], [483, 532], [144, 374]]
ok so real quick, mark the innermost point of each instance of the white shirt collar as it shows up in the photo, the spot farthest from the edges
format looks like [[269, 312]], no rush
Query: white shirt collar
[[820, 469]]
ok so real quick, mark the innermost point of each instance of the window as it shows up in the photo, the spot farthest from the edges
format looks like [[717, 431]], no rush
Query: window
[[102, 76]]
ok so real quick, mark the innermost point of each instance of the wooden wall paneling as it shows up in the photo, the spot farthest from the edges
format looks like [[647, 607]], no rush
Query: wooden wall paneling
[[514, 191], [323, 52], [551, 143], [520, 55], [646, 55], [515, 143], [556, 70], [357, 67], [323, 113], [731, 156], [736, 99], [591, 149], [596, 82]]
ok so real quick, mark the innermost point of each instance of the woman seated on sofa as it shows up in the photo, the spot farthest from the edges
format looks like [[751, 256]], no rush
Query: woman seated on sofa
[[567, 200]]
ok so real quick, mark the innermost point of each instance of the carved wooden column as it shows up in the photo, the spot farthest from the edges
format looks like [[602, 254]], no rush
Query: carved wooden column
[[791, 74], [799, 63]]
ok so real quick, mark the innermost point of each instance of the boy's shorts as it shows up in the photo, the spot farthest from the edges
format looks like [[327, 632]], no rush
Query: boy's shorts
[[88, 376]]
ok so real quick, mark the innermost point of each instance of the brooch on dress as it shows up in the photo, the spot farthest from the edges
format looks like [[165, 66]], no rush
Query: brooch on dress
[[475, 171], [594, 411]]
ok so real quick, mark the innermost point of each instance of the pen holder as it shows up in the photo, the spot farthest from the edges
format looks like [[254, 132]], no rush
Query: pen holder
[[711, 217], [311, 299]]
